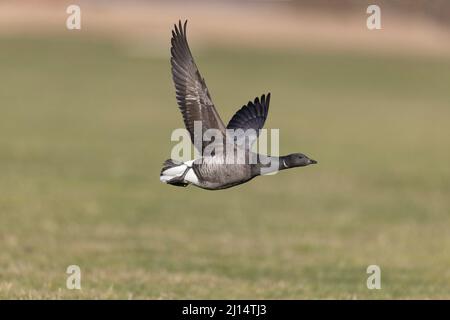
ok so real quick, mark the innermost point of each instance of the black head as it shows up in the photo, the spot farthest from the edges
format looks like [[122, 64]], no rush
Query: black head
[[297, 160]]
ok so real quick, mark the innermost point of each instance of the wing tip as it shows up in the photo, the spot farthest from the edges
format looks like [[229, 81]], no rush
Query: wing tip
[[267, 100], [179, 29], [264, 100]]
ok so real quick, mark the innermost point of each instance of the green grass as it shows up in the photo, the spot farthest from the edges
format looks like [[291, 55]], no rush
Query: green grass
[[85, 126]]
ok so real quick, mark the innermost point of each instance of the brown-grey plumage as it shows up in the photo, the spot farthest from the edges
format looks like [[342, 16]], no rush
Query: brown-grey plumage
[[192, 94], [213, 172]]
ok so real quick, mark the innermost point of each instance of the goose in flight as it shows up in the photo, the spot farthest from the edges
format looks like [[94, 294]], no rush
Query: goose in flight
[[214, 170]]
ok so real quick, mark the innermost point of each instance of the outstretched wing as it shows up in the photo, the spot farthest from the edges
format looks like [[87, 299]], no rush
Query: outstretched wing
[[192, 94], [251, 116]]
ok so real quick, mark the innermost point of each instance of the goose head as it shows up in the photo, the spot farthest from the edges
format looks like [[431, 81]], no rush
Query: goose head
[[297, 160]]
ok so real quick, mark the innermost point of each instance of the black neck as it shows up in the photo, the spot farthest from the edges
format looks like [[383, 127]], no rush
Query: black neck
[[267, 164]]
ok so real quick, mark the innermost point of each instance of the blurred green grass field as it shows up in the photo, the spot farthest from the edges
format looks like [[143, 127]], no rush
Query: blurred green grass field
[[85, 126]]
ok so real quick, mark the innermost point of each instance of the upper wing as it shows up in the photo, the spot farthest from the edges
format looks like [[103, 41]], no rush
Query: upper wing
[[192, 94], [251, 116]]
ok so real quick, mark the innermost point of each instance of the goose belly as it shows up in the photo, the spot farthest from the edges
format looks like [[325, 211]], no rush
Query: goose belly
[[212, 174]]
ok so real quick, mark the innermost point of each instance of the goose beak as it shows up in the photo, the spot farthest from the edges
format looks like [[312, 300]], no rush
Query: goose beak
[[311, 161]]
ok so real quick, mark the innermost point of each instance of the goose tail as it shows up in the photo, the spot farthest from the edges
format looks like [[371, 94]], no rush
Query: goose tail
[[173, 172]]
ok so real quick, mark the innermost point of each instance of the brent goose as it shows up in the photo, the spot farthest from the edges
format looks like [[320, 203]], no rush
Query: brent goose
[[211, 171]]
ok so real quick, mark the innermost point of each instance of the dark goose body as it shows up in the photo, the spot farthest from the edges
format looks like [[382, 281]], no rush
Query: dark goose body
[[195, 103]]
